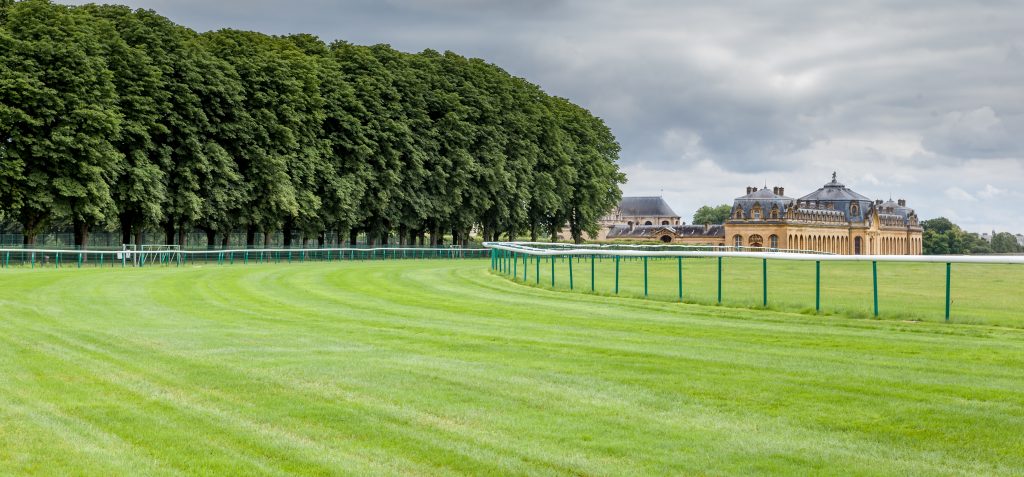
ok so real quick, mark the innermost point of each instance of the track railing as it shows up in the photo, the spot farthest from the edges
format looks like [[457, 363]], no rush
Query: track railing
[[61, 258], [508, 256]]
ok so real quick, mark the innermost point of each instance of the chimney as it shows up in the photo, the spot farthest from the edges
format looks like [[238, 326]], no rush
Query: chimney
[[782, 191], [902, 202], [878, 202], [775, 190], [748, 190]]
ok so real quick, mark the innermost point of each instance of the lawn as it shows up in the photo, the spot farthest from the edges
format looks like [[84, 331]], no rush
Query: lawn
[[979, 293], [444, 368]]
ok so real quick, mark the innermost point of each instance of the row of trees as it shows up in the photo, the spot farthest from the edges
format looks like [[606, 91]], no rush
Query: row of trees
[[122, 119], [943, 237]]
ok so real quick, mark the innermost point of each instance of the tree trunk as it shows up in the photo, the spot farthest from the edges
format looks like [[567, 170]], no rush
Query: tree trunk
[[402, 229], [181, 237], [225, 240], [250, 236], [289, 229], [126, 229], [266, 239], [211, 238], [353, 237], [169, 232], [81, 234]]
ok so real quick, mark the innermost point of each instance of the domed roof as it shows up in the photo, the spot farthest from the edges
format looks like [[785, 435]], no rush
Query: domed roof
[[834, 191]]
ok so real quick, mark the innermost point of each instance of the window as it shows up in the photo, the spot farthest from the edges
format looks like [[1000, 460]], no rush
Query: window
[[854, 209], [648, 223], [737, 241], [775, 212], [666, 238], [773, 242], [739, 213], [664, 222], [756, 241], [755, 213]]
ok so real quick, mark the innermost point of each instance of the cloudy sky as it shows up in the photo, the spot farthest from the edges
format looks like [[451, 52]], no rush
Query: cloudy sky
[[923, 100]]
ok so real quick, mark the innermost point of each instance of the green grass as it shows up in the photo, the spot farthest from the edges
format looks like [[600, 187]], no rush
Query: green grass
[[443, 368], [979, 293]]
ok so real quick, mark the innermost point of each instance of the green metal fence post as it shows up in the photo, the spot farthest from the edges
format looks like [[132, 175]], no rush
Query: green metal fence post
[[536, 262], [645, 276], [679, 263], [948, 267], [515, 265], [570, 273], [526, 258], [616, 274], [764, 282], [719, 280], [592, 274], [817, 285], [874, 284], [552, 272]]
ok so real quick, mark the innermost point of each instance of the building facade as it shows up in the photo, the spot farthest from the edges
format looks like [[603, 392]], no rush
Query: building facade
[[832, 219]]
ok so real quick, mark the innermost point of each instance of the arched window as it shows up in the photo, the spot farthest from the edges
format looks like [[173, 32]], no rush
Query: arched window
[[648, 223], [773, 242], [856, 246], [775, 212], [666, 238], [756, 241], [664, 222], [737, 240], [739, 213], [854, 209], [755, 213]]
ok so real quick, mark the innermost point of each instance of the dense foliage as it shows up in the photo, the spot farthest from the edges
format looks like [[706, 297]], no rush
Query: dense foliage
[[943, 237], [707, 215], [121, 119]]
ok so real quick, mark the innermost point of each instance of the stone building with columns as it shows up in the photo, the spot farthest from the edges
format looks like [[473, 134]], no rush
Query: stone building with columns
[[833, 219]]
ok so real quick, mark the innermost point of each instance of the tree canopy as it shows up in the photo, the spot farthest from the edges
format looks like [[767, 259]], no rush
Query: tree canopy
[[942, 237], [707, 215], [121, 119]]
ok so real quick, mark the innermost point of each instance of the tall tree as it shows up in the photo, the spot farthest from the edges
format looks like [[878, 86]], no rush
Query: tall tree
[[59, 110], [139, 190], [707, 215]]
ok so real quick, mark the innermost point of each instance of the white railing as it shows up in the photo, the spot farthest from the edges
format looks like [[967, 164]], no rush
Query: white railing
[[556, 249]]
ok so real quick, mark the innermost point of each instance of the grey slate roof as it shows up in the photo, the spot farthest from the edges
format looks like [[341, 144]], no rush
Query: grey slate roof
[[840, 198], [646, 207], [765, 198], [834, 191]]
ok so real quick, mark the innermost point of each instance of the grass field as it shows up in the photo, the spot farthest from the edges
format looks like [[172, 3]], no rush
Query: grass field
[[979, 293], [443, 368]]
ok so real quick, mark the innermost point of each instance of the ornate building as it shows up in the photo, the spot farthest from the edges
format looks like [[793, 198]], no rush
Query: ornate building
[[832, 219]]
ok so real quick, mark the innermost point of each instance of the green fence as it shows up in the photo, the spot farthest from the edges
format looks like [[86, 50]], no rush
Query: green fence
[[57, 258], [970, 289]]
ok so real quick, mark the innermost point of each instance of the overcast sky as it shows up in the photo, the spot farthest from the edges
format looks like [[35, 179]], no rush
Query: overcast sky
[[923, 100]]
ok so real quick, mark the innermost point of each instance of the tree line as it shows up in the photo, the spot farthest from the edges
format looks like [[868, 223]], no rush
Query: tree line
[[943, 237], [119, 119]]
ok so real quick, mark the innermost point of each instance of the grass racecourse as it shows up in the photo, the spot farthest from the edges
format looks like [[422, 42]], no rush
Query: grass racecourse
[[445, 368]]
